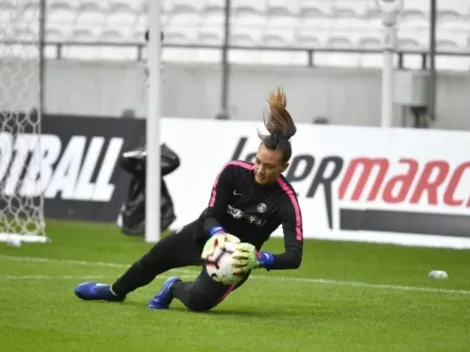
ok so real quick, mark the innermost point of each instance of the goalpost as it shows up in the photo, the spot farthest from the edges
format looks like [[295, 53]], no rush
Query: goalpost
[[153, 172], [21, 189]]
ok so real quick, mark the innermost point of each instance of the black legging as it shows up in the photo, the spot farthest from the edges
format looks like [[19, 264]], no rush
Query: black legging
[[175, 251]]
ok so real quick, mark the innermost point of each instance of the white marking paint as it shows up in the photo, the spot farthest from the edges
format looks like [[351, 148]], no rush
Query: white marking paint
[[49, 277], [257, 277]]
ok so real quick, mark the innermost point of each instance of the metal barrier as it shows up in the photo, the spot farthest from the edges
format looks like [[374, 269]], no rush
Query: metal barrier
[[309, 52]]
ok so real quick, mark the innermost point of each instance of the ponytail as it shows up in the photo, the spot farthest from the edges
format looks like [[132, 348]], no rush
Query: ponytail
[[279, 124]]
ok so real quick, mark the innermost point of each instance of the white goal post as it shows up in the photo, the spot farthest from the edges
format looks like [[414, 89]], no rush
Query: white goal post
[[21, 189], [153, 172]]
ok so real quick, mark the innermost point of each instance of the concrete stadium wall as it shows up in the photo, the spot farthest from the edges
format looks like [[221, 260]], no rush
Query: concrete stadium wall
[[344, 96]]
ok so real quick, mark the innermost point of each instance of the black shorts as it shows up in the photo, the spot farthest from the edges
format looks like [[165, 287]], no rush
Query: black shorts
[[184, 248]]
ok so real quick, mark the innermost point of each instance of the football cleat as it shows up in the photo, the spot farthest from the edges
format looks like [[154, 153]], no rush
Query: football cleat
[[162, 299], [96, 291]]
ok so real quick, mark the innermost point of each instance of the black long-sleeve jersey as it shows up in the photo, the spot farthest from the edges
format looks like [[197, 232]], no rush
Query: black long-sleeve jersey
[[252, 211]]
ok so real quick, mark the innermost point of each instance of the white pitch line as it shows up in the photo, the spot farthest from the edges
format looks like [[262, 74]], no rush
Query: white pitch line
[[66, 277], [49, 277], [78, 262], [257, 277], [365, 284]]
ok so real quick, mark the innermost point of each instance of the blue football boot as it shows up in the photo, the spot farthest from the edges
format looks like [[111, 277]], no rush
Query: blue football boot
[[162, 299], [96, 291]]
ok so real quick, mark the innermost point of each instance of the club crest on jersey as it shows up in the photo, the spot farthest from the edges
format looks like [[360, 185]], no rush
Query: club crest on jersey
[[261, 207]]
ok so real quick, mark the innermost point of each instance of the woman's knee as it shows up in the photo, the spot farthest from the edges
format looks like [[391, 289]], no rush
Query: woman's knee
[[199, 305]]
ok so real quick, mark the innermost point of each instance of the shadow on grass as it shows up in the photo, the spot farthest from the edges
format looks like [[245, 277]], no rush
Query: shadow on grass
[[244, 312]]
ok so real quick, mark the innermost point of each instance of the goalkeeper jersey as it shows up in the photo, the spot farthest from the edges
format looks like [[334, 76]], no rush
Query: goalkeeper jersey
[[252, 212]]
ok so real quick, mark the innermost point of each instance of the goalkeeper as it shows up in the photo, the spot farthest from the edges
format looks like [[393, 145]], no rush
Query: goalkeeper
[[247, 203]]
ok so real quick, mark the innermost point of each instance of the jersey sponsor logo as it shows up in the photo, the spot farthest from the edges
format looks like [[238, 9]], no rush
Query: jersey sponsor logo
[[365, 192], [79, 169], [239, 214]]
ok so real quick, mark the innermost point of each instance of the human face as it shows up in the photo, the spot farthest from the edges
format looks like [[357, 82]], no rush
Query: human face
[[268, 165]]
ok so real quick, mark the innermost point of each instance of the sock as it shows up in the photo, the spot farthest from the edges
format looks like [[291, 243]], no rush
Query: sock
[[112, 291], [136, 276]]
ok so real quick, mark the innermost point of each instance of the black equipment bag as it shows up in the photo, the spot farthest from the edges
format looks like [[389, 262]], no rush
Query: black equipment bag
[[131, 217]]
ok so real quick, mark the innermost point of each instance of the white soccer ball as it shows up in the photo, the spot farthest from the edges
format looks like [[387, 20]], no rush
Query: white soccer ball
[[219, 265]]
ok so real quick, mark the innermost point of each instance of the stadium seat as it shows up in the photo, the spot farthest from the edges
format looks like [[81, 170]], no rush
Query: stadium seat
[[214, 5], [7, 4], [420, 5], [458, 6], [369, 42], [248, 16], [307, 39], [184, 19], [276, 40], [113, 36], [61, 13], [244, 38], [180, 35], [357, 8], [413, 18], [83, 34], [344, 12], [283, 36], [281, 16], [372, 11], [458, 38], [90, 15], [210, 36], [25, 33], [182, 7], [282, 8], [413, 13], [54, 34], [320, 6], [449, 15], [213, 15], [73, 4], [446, 45], [249, 5], [409, 44], [275, 23], [121, 15], [349, 22], [450, 21], [339, 42], [311, 18]]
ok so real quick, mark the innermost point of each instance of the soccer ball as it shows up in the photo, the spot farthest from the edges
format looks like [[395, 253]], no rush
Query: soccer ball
[[219, 265]]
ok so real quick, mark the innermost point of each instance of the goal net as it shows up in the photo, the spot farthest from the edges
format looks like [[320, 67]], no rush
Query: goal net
[[21, 198]]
